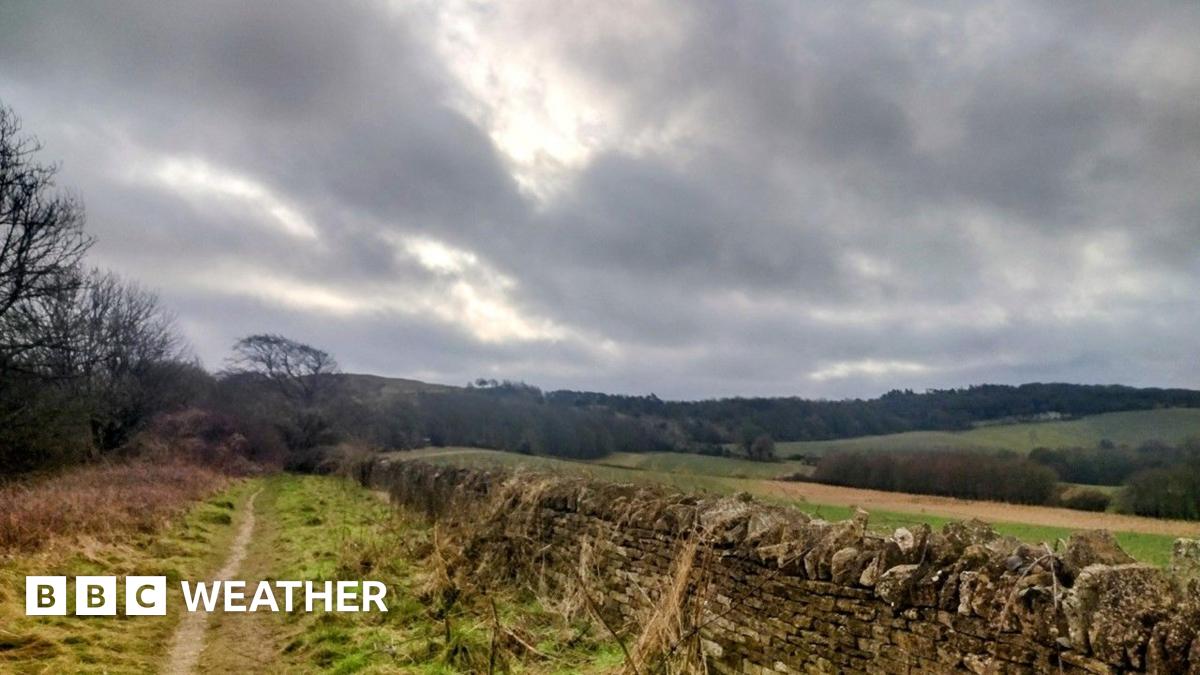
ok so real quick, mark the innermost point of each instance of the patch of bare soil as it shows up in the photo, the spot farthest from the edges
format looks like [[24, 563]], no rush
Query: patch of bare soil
[[988, 511]]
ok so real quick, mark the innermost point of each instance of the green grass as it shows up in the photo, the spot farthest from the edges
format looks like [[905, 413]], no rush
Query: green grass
[[1151, 548], [1110, 490], [1172, 425], [363, 537], [482, 459], [683, 463]]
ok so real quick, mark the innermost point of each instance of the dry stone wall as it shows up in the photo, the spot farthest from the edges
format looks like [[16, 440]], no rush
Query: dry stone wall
[[768, 589]]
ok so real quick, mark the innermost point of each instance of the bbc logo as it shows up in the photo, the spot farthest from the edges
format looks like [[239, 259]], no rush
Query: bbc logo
[[95, 596]]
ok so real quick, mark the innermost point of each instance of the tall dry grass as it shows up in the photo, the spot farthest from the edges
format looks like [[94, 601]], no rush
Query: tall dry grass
[[181, 458], [103, 501]]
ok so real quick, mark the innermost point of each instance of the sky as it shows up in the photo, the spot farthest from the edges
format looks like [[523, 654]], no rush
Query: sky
[[690, 198]]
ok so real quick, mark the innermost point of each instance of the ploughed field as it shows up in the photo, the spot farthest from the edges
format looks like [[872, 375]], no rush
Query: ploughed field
[[1148, 539]]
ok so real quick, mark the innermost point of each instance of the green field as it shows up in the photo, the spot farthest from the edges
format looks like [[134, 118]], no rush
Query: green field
[[687, 473], [1172, 425], [483, 459], [676, 462]]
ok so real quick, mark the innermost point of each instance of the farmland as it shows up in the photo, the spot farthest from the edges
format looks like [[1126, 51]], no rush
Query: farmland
[[1147, 539]]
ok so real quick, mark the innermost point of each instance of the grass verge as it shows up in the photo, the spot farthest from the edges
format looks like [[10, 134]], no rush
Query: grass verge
[[323, 528]]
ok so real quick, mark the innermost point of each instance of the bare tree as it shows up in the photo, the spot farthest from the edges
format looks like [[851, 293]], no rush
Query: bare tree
[[115, 349], [130, 357], [85, 359], [41, 244], [300, 372], [106, 328]]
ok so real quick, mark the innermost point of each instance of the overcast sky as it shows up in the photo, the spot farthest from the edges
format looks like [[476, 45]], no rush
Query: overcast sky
[[688, 198]]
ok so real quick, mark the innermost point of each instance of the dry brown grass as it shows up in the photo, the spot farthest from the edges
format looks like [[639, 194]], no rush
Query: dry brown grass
[[100, 501], [181, 457], [667, 642]]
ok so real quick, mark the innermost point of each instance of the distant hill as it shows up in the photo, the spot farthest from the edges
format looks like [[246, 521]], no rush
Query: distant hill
[[376, 387], [505, 415], [798, 419], [1171, 425]]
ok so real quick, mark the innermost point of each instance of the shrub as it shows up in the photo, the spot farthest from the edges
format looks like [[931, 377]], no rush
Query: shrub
[[1084, 499], [210, 439], [1164, 493], [762, 449]]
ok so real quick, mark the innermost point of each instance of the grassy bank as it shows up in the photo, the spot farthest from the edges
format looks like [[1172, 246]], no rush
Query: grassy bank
[[106, 501], [323, 528], [189, 546]]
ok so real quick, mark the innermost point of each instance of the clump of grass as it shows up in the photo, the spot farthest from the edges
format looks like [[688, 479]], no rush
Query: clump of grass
[[100, 501], [669, 636], [218, 518]]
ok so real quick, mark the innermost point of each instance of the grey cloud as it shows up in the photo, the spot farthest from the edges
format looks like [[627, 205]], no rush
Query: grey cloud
[[927, 177]]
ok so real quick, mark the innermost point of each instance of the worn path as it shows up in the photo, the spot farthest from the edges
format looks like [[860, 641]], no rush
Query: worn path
[[188, 641]]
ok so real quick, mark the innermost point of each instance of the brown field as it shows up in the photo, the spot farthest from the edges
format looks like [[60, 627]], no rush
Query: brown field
[[988, 511]]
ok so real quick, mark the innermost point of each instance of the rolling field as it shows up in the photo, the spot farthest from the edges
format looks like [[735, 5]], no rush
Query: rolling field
[[676, 462], [1147, 539], [1172, 425]]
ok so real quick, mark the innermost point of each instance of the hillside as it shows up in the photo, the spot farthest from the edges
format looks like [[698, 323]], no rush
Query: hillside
[[1132, 427], [505, 415], [378, 387]]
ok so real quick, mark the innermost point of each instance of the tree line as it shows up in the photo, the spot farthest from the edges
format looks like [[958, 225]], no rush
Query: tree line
[[732, 420], [1155, 479], [1004, 477], [1110, 464]]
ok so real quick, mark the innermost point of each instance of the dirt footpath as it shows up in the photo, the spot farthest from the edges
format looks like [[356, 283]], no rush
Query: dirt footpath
[[188, 642]]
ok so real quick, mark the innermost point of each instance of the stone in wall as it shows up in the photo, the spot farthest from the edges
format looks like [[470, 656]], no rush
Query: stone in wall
[[1185, 559]]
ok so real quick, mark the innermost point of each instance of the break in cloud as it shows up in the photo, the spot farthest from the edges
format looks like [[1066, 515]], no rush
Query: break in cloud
[[690, 198]]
